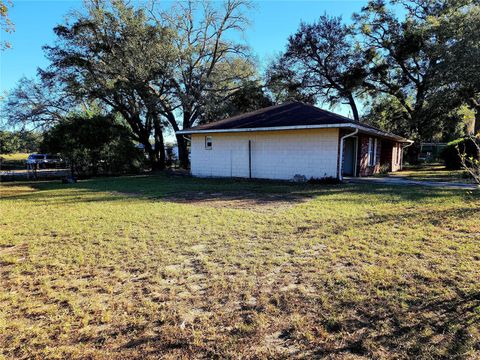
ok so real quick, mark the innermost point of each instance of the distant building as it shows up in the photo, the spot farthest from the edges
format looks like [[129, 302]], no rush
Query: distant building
[[430, 151]]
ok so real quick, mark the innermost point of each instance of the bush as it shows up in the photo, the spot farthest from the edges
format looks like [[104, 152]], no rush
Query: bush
[[96, 145], [450, 154], [472, 163]]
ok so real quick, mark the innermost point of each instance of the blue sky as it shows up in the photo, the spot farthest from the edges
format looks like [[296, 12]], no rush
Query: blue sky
[[271, 24]]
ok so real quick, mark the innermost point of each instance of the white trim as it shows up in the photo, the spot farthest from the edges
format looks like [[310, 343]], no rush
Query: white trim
[[273, 128], [298, 127], [356, 157], [207, 140], [369, 151], [410, 143], [372, 146], [399, 155]]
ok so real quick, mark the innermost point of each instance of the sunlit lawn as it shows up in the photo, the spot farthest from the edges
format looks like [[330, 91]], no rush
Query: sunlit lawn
[[434, 173], [172, 267]]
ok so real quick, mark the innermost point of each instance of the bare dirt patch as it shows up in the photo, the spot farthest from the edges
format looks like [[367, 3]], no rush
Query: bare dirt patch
[[243, 200]]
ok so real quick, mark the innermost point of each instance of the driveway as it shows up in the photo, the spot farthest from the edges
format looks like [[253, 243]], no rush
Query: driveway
[[397, 180]]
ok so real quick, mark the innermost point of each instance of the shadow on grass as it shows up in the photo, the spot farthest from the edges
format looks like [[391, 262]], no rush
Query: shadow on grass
[[186, 189], [429, 328], [222, 192], [434, 328]]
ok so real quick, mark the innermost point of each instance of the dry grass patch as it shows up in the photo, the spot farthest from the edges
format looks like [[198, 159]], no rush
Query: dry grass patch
[[258, 201], [14, 156], [190, 268]]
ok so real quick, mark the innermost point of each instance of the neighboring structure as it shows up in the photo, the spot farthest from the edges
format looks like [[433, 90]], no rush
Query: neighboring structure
[[282, 141], [430, 151]]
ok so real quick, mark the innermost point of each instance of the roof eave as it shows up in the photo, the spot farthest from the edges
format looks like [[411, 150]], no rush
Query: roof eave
[[360, 127]]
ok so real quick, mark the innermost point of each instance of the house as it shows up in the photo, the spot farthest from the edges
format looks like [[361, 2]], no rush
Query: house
[[279, 142]]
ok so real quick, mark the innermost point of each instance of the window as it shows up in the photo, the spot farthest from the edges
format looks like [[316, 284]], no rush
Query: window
[[208, 142], [372, 151], [399, 154]]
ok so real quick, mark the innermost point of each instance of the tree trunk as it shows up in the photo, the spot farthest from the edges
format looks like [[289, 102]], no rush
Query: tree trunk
[[159, 146], [353, 105], [72, 169], [156, 160], [183, 152], [181, 142]]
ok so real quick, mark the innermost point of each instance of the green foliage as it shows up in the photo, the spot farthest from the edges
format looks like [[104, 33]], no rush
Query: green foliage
[[94, 145], [285, 84], [416, 71], [112, 53], [422, 61], [157, 67], [320, 61], [471, 163], [457, 76], [19, 142], [388, 114], [249, 97], [451, 154]]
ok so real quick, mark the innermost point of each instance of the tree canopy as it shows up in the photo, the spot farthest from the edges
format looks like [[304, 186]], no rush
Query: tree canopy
[[413, 73], [157, 68], [322, 61], [250, 96], [114, 55], [36, 104], [207, 65]]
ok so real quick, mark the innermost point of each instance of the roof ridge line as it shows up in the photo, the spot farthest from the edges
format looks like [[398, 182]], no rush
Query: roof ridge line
[[330, 112], [254, 112]]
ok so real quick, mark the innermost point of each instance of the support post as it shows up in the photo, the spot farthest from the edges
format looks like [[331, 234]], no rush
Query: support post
[[249, 159]]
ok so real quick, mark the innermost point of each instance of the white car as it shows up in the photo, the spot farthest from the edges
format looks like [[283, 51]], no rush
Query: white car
[[42, 159]]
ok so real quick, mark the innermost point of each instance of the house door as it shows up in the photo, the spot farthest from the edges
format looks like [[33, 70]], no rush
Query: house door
[[349, 156]]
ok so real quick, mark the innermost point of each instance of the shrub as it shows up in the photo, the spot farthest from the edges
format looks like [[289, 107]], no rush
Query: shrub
[[94, 145], [451, 153], [384, 169], [472, 163]]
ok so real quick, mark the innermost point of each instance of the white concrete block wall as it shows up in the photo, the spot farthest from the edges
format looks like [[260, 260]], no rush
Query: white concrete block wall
[[275, 154]]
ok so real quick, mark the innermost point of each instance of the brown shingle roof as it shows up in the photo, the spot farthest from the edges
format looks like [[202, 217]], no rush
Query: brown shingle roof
[[288, 115]]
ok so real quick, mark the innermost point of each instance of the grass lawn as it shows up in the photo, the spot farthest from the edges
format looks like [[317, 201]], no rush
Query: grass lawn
[[176, 267], [434, 173]]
